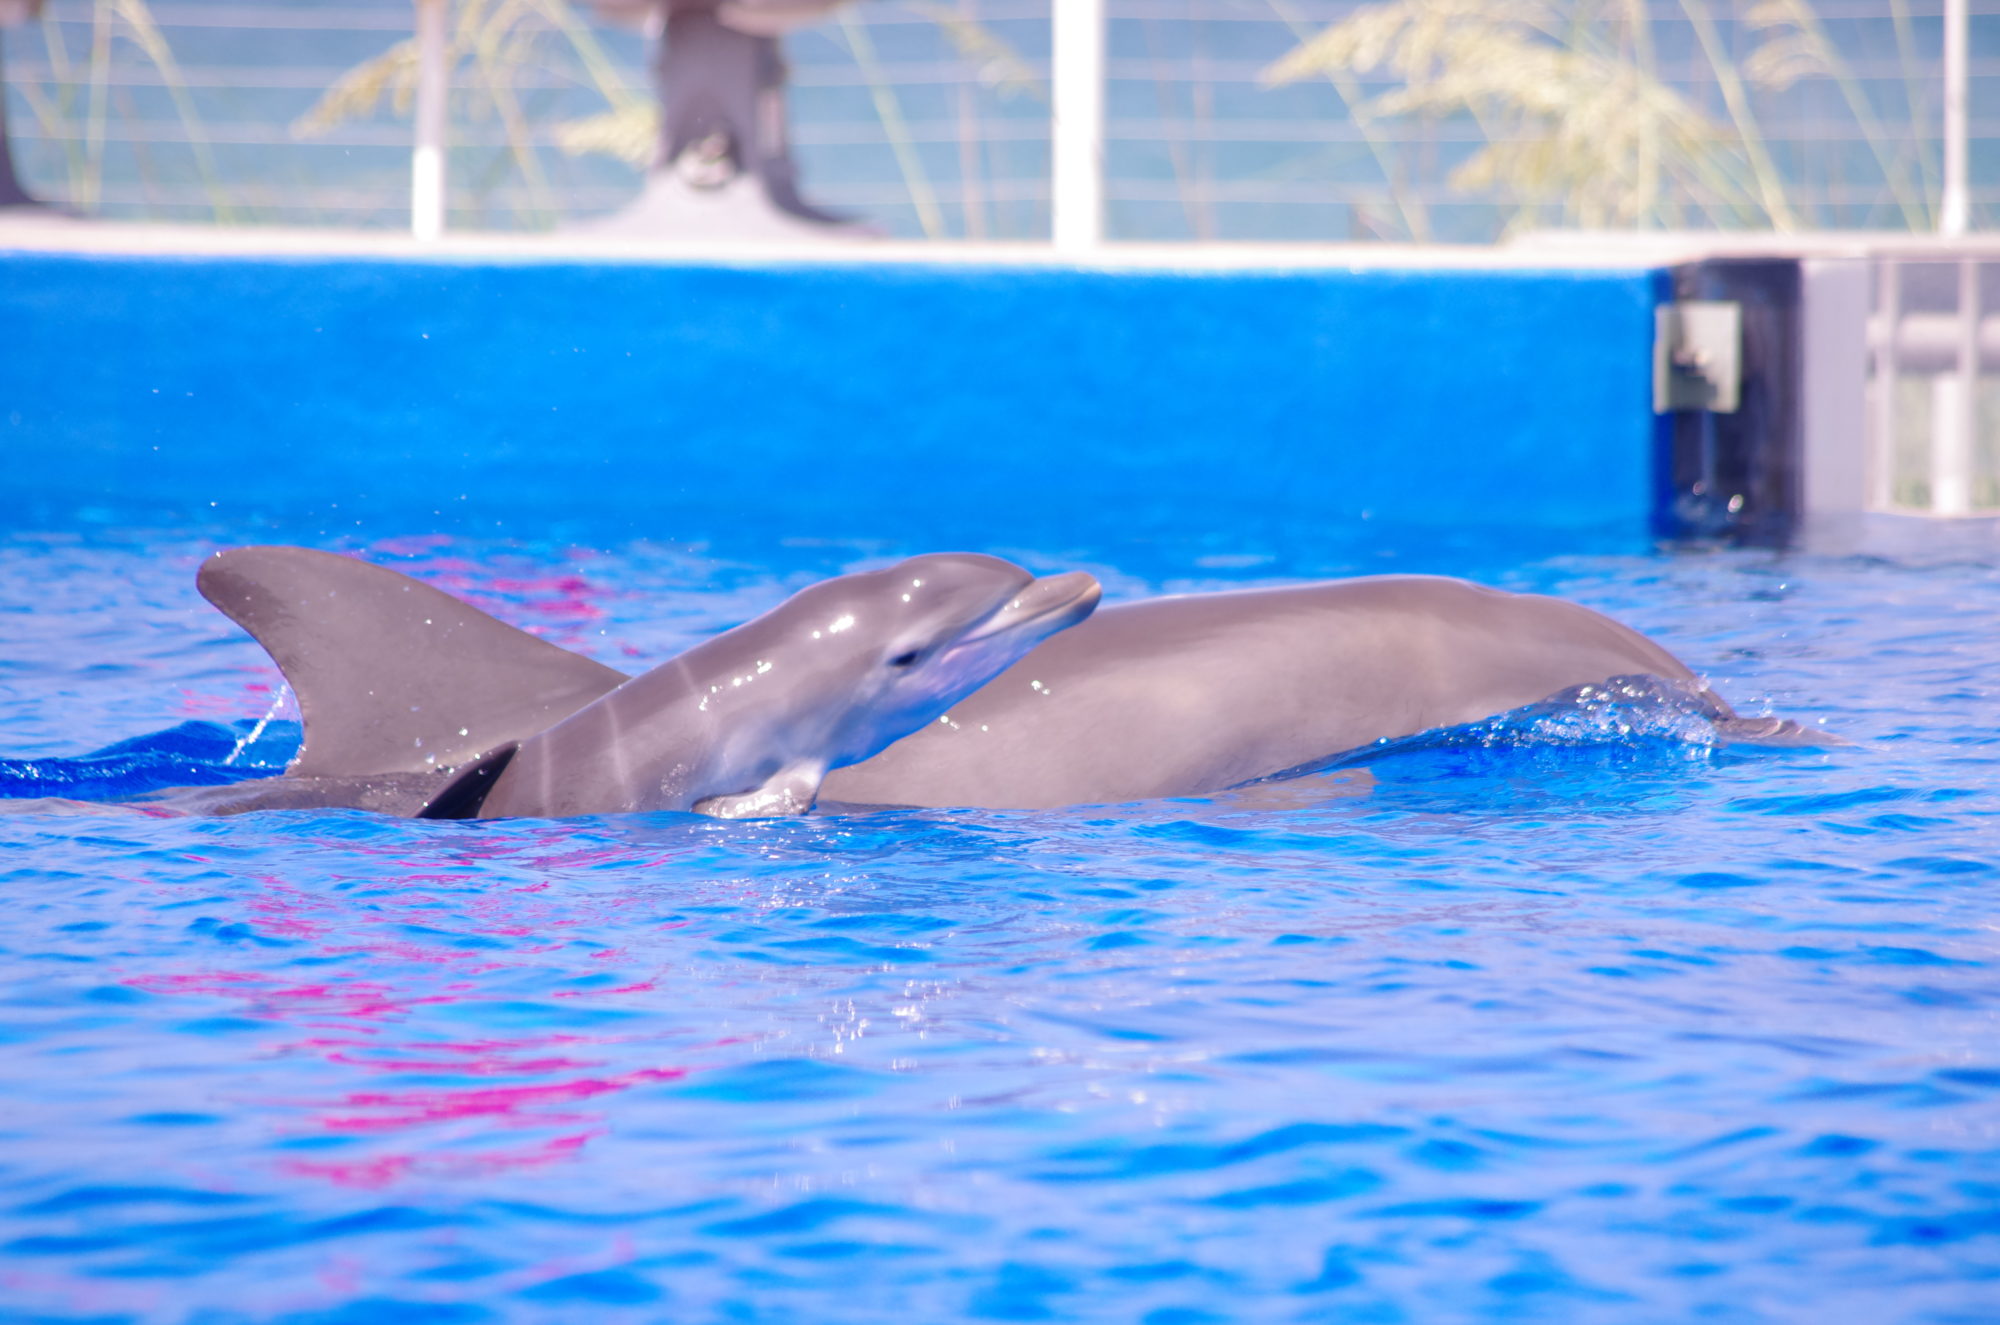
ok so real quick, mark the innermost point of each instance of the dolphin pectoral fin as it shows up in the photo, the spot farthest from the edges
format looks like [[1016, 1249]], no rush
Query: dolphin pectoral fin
[[463, 796], [1303, 792], [791, 790]]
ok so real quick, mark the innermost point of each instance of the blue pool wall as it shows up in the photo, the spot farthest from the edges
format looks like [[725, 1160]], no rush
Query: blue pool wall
[[979, 406]]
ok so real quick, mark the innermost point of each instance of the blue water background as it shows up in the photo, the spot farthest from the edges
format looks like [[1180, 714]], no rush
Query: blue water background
[[1619, 1029]]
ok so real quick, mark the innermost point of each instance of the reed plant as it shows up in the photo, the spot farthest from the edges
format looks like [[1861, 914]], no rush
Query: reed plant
[[1408, 204], [493, 45], [1577, 127], [74, 108]]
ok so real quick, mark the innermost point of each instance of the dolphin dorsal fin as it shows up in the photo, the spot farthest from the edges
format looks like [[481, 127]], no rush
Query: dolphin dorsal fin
[[392, 675]]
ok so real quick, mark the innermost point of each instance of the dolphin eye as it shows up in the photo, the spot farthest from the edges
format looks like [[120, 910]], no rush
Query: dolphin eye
[[906, 659]]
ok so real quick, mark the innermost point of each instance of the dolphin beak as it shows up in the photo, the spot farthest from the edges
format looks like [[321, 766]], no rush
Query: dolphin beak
[[1049, 604]]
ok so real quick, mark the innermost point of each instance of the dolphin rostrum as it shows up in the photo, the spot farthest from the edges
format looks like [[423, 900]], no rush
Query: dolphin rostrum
[[415, 703]]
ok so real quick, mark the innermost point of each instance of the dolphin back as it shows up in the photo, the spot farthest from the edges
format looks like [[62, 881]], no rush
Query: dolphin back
[[392, 675]]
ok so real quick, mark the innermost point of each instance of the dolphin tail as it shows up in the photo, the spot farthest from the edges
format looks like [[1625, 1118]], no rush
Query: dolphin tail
[[392, 675], [1780, 733]]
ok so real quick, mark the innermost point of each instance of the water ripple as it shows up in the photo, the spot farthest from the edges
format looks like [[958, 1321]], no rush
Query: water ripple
[[1581, 1021]]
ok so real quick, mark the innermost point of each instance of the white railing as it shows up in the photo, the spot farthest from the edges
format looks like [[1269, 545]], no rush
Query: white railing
[[968, 118], [1933, 429]]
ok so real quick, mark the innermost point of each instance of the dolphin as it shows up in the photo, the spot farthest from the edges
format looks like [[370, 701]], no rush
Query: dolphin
[[750, 722], [418, 704], [1166, 697], [1180, 696]]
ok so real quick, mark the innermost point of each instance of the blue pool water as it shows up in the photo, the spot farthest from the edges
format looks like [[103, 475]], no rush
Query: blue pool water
[[1549, 1026]]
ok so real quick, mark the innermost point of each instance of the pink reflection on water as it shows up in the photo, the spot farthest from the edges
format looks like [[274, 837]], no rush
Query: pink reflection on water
[[202, 704], [559, 1079], [254, 695], [556, 606], [476, 1059], [387, 1170], [461, 900], [81, 1293], [448, 1128], [554, 603], [409, 545], [642, 987], [270, 999], [341, 1275], [407, 1108], [421, 930]]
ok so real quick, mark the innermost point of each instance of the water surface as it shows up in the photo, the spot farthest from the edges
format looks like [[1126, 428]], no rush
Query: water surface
[[1594, 1027]]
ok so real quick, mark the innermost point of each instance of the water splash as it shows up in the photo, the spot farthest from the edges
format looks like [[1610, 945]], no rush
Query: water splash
[[256, 732], [1637, 714], [1626, 710]]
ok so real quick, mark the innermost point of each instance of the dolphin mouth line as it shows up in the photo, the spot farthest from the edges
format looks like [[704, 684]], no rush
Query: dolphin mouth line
[[1073, 594]]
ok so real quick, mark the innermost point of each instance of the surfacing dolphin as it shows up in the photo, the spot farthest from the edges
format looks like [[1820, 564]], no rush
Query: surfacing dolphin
[[415, 703], [1185, 695], [1169, 697]]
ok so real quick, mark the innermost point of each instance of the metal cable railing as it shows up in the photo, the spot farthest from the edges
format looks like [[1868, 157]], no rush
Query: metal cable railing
[[932, 117], [1934, 385]]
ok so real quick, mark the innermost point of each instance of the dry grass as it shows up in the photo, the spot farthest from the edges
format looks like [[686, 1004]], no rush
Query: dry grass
[[81, 128], [492, 43], [1573, 117], [494, 40]]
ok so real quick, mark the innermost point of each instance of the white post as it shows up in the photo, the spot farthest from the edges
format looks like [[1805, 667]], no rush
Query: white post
[[1956, 212], [1833, 376], [1077, 141], [433, 87], [1951, 459], [1955, 407], [1888, 376]]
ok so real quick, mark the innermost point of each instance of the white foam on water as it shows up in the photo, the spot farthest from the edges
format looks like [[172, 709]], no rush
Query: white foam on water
[[1624, 709]]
